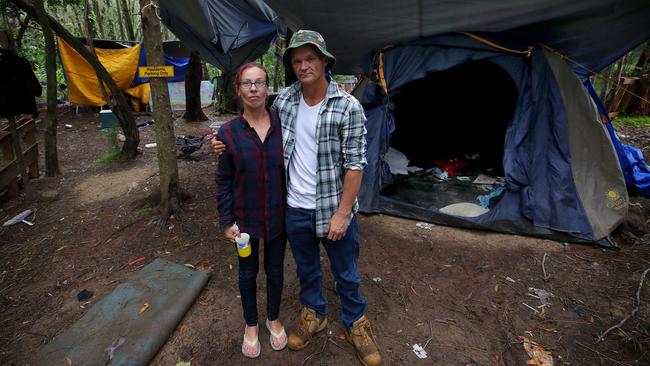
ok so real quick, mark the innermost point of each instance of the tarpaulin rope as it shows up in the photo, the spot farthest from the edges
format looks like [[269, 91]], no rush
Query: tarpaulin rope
[[379, 71], [595, 74], [527, 52]]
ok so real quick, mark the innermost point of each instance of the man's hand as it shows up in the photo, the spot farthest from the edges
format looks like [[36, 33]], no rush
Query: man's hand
[[231, 232], [337, 226], [218, 146]]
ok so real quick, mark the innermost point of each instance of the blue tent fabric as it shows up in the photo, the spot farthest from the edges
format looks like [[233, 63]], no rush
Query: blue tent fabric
[[541, 196], [635, 170], [225, 33], [179, 64]]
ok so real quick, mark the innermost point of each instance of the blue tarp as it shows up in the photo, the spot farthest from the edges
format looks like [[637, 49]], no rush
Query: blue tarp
[[179, 64], [635, 169], [225, 33]]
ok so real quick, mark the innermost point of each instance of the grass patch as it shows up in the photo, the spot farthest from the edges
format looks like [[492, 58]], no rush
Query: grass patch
[[144, 211], [113, 154], [632, 121]]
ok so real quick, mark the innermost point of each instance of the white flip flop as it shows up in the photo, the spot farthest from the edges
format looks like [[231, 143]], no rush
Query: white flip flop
[[277, 336], [254, 343]]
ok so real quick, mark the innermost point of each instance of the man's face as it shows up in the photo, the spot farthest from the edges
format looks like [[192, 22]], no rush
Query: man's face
[[308, 64]]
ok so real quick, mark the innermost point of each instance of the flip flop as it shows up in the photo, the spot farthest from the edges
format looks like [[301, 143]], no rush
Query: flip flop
[[255, 344], [277, 336]]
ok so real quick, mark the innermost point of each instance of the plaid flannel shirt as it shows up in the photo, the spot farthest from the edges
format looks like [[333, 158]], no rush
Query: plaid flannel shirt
[[250, 178], [341, 139]]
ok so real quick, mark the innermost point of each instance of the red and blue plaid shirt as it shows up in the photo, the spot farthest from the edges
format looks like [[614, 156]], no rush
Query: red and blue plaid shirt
[[250, 179]]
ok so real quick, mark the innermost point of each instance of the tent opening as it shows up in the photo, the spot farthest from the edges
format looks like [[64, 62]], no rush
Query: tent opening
[[452, 121], [456, 113]]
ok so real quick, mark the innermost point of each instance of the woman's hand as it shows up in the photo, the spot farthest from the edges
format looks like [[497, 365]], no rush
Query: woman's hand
[[232, 232]]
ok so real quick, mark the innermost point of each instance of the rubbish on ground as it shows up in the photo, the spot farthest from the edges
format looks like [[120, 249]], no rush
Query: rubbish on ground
[[121, 137], [84, 295], [183, 363], [484, 200], [484, 179], [151, 145], [143, 308], [530, 307], [188, 265], [20, 218], [424, 225], [542, 295], [110, 351], [136, 261], [419, 351], [510, 279], [464, 209], [397, 161], [145, 124], [439, 173], [67, 125], [463, 178], [188, 145], [538, 356], [377, 279]]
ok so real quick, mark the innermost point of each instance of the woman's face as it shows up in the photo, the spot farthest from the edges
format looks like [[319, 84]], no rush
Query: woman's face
[[253, 88]]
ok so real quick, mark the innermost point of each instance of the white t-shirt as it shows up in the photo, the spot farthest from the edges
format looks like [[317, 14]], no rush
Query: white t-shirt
[[301, 188]]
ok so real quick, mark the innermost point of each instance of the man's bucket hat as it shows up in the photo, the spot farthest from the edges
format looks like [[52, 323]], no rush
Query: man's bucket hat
[[303, 37]]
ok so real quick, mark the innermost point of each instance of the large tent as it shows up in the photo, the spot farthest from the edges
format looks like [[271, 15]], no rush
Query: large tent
[[435, 93]]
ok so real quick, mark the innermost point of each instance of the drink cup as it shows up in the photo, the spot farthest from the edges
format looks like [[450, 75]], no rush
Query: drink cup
[[243, 245]]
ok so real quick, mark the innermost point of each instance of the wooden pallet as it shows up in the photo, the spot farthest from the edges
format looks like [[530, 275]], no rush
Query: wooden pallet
[[9, 174]]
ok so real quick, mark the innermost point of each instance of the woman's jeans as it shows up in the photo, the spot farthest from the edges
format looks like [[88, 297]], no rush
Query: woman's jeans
[[274, 269]]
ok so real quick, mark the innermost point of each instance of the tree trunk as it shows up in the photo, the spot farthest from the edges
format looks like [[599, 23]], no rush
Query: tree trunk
[[120, 20], [278, 64], [229, 102], [164, 127], [21, 31], [51, 155], [643, 62], [89, 24], [18, 153], [605, 76], [98, 18], [120, 106], [128, 22], [193, 77]]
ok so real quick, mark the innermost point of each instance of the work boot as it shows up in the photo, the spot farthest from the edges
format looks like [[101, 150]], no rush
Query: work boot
[[308, 327], [364, 343]]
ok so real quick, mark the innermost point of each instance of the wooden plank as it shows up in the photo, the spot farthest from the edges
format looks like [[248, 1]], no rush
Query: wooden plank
[[9, 176]]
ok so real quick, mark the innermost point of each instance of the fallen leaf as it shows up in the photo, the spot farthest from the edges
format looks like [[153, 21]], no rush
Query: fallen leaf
[[496, 288], [68, 360], [144, 308], [342, 336], [61, 248], [183, 363], [182, 330]]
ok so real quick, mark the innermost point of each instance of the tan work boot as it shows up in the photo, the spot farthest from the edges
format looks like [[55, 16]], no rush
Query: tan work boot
[[364, 342], [308, 327]]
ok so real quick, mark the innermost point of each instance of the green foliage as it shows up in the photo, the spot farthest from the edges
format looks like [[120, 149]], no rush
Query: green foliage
[[632, 121], [113, 154]]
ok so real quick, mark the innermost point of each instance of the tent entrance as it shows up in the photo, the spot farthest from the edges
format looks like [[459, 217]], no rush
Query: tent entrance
[[454, 120]]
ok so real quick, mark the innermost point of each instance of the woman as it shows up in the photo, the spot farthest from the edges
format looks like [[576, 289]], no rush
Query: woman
[[251, 193]]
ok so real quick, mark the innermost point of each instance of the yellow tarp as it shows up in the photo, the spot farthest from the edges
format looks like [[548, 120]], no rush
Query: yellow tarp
[[142, 92], [83, 87]]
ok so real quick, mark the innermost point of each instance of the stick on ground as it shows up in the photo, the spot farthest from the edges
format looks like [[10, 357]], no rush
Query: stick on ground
[[636, 309]]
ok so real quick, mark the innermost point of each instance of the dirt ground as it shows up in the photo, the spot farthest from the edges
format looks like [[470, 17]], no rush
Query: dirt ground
[[461, 294]]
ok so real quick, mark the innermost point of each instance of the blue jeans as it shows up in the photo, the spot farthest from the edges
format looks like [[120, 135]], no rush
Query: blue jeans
[[343, 257], [274, 268]]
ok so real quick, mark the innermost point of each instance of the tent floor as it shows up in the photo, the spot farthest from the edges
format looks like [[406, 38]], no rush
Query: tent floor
[[424, 190]]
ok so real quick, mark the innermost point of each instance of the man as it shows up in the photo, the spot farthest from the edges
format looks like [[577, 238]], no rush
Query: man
[[324, 144]]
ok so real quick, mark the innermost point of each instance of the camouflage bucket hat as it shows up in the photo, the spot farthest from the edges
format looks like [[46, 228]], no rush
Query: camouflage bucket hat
[[303, 37]]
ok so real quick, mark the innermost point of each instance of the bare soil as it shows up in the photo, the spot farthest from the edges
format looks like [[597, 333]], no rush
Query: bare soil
[[460, 293]]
